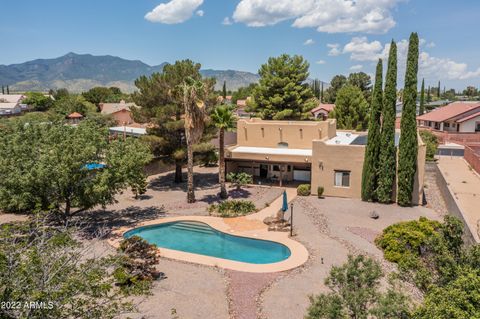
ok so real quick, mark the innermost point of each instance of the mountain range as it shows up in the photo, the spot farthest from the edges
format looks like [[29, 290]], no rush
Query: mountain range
[[80, 72]]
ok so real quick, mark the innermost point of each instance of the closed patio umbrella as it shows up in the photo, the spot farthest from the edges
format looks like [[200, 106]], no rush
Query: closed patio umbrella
[[284, 204]]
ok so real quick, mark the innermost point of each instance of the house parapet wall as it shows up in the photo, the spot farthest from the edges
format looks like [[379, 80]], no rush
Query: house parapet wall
[[293, 134]]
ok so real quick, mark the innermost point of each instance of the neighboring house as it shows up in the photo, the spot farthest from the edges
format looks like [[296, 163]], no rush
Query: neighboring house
[[322, 110], [11, 104], [226, 100], [74, 118], [463, 117], [307, 151], [240, 111], [121, 112], [132, 130], [7, 109]]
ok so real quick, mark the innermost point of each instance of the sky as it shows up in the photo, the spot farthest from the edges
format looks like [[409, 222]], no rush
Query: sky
[[335, 36]]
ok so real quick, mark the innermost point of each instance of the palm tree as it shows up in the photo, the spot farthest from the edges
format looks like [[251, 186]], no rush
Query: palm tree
[[224, 120], [195, 116]]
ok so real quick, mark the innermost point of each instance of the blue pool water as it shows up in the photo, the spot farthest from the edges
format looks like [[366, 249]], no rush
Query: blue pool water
[[200, 238], [93, 166]]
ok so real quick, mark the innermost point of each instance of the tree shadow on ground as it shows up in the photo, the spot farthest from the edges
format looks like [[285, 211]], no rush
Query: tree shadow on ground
[[201, 181], [232, 194], [99, 223]]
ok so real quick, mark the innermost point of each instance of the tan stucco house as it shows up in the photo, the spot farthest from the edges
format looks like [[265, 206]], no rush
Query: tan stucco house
[[307, 151], [121, 112]]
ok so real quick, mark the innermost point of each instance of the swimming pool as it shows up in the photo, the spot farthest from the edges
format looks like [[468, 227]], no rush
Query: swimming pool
[[200, 238]]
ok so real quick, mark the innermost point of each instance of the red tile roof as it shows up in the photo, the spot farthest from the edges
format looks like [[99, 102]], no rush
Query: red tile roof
[[75, 115], [326, 107], [449, 111], [474, 115]]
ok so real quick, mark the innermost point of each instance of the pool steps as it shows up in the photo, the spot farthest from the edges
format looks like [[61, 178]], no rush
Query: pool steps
[[194, 227]]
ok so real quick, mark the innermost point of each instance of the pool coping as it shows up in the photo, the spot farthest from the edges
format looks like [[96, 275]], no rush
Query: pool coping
[[298, 253]]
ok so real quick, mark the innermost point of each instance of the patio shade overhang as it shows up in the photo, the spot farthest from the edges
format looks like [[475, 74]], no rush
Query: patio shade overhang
[[283, 155]]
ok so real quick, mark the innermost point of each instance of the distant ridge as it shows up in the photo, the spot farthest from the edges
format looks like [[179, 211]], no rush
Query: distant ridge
[[80, 72]]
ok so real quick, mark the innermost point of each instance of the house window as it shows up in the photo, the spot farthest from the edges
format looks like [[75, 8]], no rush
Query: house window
[[275, 168], [446, 124], [477, 127], [342, 178]]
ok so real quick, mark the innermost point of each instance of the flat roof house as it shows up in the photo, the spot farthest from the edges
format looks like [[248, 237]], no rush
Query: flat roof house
[[307, 151], [10, 104], [461, 117], [121, 112]]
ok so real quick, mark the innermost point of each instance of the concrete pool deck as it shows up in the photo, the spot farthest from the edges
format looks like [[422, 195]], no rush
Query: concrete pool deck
[[250, 226]]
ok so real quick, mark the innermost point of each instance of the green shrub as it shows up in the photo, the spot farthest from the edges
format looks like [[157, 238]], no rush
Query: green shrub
[[303, 190], [232, 208], [320, 190], [406, 239], [431, 142], [239, 179]]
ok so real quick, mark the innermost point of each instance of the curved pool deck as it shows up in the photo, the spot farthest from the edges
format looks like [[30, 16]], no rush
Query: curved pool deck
[[251, 226]]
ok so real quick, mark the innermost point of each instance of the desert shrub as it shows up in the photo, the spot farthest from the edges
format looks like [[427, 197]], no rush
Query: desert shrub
[[406, 239], [355, 293], [239, 179], [431, 142], [303, 190], [232, 208], [320, 191], [427, 252], [136, 269]]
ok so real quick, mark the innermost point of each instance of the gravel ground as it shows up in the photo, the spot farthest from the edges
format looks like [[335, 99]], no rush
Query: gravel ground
[[194, 291], [433, 196], [331, 229], [8, 218], [244, 290]]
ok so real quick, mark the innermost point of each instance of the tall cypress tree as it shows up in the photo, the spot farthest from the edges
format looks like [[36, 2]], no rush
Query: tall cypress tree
[[224, 93], [372, 151], [422, 98], [429, 96], [438, 90], [321, 94], [407, 156], [388, 153]]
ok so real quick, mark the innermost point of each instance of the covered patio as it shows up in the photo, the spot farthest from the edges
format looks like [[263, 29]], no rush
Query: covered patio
[[271, 166]]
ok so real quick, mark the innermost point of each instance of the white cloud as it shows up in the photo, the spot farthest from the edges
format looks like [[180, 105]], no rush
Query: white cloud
[[431, 45], [356, 67], [309, 42], [362, 50], [430, 67], [174, 11], [321, 62], [200, 13], [334, 49], [331, 16], [226, 21]]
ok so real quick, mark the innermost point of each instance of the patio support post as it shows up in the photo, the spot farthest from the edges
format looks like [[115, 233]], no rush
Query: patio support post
[[291, 219], [281, 174]]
